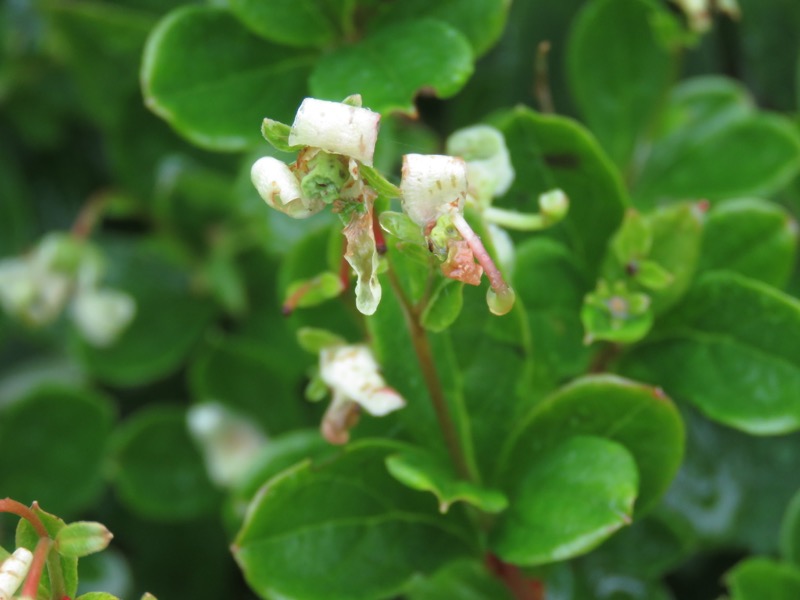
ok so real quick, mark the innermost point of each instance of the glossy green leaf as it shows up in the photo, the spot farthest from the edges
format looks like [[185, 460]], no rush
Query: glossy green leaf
[[733, 350], [444, 306], [422, 471], [159, 473], [618, 80], [312, 531], [550, 151], [168, 322], [27, 537], [790, 532], [568, 499], [763, 579], [718, 154], [389, 67], [53, 443], [214, 82], [639, 417], [463, 579], [751, 237], [677, 239], [481, 21], [301, 24]]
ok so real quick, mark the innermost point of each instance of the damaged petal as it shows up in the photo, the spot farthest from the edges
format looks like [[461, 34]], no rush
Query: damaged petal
[[342, 415], [362, 255], [336, 127], [460, 263], [432, 185]]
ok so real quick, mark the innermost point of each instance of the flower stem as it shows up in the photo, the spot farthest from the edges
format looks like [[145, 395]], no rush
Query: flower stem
[[40, 554], [422, 349], [17, 508], [521, 587]]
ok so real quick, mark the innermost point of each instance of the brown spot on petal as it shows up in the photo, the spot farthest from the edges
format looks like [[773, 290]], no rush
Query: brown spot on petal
[[460, 264]]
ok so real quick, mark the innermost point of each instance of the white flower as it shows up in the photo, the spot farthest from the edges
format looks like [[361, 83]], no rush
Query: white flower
[[352, 375], [102, 314], [432, 185], [13, 571], [489, 169]]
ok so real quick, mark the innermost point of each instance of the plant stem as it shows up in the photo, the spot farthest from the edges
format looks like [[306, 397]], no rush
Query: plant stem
[[422, 349], [40, 554], [17, 508], [520, 586]]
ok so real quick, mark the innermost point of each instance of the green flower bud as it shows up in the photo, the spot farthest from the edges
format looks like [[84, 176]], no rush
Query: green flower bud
[[82, 538]]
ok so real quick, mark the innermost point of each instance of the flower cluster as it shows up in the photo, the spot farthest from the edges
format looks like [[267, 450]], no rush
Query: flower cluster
[[64, 271]]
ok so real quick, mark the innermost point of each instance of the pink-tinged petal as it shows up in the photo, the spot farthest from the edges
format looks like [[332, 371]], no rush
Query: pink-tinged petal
[[460, 263]]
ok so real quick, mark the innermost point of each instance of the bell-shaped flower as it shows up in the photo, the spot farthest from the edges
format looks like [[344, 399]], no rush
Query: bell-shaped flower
[[351, 373], [335, 140], [434, 190], [101, 315]]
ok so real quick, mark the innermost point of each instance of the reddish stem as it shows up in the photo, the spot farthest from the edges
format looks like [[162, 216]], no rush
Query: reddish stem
[[520, 586], [380, 241], [344, 273], [37, 568], [17, 508], [89, 216], [496, 280]]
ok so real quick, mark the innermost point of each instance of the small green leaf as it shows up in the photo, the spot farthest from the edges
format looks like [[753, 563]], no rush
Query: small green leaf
[[619, 80], [82, 538], [568, 500], [751, 237], [277, 134], [790, 532], [733, 350], [422, 471], [292, 23], [639, 417], [400, 226], [428, 54], [300, 527], [444, 306], [314, 291], [378, 182], [214, 81], [616, 314], [159, 472], [313, 340], [96, 596], [27, 537], [652, 276], [550, 151], [763, 579]]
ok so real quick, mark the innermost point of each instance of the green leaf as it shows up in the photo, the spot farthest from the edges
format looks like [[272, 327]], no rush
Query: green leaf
[[444, 306], [378, 182], [790, 532], [311, 532], [27, 537], [462, 579], [554, 152], [619, 80], [732, 152], [168, 322], [314, 340], [389, 67], [481, 21], [422, 471], [639, 417], [53, 444], [97, 596], [159, 473], [314, 291], [82, 538], [763, 579], [214, 82], [732, 348], [277, 134], [568, 499], [752, 237], [550, 286], [292, 23]]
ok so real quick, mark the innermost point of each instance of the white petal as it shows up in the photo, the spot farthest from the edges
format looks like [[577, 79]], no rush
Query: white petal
[[275, 182], [102, 315], [337, 128], [13, 571], [432, 185]]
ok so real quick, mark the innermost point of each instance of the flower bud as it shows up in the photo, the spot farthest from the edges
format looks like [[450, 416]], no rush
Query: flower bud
[[82, 538], [336, 127], [102, 315], [489, 168]]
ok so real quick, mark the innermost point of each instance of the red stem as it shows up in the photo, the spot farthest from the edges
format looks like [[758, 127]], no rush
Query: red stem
[[380, 241], [17, 508], [89, 216], [37, 568], [520, 586]]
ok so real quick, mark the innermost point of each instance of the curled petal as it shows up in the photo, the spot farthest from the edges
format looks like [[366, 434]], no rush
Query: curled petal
[[431, 186], [279, 188], [362, 255], [460, 263], [336, 127]]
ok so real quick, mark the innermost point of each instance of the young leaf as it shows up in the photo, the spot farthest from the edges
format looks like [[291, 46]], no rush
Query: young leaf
[[187, 78], [568, 499], [732, 348], [444, 306], [619, 80], [429, 53], [311, 532], [27, 537], [82, 538], [639, 417], [754, 238], [422, 471]]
